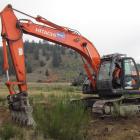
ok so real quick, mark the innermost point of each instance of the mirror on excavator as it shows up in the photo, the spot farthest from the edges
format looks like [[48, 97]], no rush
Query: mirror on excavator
[[118, 75]]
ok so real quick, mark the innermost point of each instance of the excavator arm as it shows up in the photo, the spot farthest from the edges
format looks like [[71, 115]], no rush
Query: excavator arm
[[13, 37], [12, 31]]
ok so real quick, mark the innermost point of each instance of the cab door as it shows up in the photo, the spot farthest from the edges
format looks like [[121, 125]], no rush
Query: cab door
[[130, 76], [104, 81]]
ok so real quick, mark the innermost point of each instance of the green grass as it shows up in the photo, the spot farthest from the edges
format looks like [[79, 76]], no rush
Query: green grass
[[60, 119], [9, 131]]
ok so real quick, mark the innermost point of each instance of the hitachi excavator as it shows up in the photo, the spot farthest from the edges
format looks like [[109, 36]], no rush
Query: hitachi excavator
[[119, 95]]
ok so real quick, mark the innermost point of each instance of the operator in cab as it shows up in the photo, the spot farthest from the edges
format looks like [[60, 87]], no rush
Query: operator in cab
[[116, 76]]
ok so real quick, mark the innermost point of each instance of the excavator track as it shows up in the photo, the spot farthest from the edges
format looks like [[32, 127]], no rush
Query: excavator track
[[104, 107], [20, 109], [116, 107], [123, 107]]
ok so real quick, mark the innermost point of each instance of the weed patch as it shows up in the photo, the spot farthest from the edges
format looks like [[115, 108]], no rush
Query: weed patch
[[61, 119], [8, 131]]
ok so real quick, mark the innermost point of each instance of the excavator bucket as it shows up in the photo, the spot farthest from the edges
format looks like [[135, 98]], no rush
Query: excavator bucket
[[21, 110]]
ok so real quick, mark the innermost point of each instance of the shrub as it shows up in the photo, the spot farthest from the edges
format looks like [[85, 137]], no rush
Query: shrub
[[47, 56], [44, 52], [56, 58], [36, 54], [47, 72], [61, 119], [42, 63], [28, 67], [7, 132]]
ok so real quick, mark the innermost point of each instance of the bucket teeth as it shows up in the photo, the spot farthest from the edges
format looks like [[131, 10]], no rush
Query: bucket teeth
[[21, 110]]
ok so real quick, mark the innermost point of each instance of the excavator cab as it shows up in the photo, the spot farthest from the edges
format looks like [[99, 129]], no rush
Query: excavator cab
[[118, 75], [117, 84]]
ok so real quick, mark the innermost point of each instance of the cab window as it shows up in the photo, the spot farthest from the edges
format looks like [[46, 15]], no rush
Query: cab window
[[104, 73], [130, 74]]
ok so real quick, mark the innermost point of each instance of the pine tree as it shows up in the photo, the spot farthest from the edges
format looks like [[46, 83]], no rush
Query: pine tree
[[56, 57]]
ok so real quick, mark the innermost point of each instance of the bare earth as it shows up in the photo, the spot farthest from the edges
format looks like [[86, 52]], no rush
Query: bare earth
[[115, 129]]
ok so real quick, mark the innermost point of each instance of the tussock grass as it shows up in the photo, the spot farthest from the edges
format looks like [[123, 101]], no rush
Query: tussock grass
[[8, 131], [60, 119]]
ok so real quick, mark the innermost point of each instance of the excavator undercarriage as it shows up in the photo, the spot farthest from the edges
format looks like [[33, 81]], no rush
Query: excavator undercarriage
[[117, 107]]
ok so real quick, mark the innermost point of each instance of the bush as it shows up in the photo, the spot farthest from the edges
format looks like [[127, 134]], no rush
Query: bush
[[56, 58], [7, 132], [61, 119], [36, 54], [28, 67], [47, 56], [47, 72], [42, 63], [44, 52]]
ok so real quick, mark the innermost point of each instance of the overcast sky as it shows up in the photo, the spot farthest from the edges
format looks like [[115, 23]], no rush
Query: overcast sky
[[112, 25]]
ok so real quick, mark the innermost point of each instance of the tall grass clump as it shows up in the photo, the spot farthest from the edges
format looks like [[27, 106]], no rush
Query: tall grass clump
[[8, 131], [61, 120]]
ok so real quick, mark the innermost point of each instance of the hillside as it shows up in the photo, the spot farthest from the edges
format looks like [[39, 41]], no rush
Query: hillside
[[47, 62]]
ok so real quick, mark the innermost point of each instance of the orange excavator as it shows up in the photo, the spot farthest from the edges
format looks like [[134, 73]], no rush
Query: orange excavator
[[99, 70]]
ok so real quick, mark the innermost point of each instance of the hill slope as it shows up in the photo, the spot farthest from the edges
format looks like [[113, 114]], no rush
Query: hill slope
[[49, 62]]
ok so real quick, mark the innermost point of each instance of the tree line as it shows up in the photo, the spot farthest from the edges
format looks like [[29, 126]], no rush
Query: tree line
[[37, 50]]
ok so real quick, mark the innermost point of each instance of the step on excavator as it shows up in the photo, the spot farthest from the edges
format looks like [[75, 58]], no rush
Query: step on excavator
[[114, 78]]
